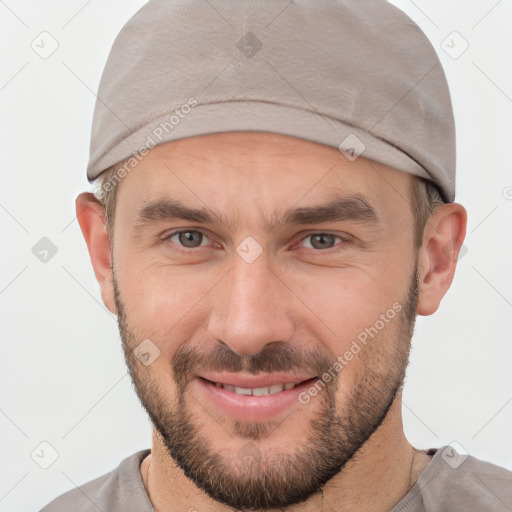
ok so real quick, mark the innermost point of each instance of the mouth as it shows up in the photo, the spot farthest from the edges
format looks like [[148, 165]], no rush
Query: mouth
[[251, 398], [257, 391]]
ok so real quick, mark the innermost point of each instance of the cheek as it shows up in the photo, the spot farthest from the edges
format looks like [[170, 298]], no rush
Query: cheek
[[343, 302], [163, 302], [169, 304]]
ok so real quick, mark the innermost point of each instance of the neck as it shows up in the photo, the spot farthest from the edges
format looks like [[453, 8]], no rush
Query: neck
[[382, 472]]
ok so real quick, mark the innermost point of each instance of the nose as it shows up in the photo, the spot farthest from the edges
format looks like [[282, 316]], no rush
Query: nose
[[251, 308]]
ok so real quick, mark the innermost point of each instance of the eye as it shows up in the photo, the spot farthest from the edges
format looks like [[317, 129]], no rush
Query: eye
[[188, 239], [192, 239], [322, 240]]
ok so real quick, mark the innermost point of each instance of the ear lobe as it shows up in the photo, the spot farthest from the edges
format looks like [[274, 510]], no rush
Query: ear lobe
[[91, 217], [442, 241]]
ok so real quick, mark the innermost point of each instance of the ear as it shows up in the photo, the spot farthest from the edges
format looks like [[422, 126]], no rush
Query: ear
[[443, 236], [91, 217]]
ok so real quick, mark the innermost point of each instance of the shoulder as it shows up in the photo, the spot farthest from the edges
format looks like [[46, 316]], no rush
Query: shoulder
[[119, 490], [458, 482]]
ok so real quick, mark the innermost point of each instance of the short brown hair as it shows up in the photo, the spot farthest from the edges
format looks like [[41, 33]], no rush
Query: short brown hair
[[425, 198]]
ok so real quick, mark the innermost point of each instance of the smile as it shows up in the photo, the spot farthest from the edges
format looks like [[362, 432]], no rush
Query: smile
[[250, 397]]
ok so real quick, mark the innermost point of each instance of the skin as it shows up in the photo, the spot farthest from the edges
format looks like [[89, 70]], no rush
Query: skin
[[293, 295]]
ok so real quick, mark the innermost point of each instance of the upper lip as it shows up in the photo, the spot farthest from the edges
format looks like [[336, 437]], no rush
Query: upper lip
[[254, 381]]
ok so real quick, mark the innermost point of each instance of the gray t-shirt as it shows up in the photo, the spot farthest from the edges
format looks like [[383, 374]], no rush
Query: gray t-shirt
[[451, 482]]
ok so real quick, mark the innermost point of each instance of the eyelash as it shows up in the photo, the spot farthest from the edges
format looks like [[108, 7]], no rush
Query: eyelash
[[344, 241]]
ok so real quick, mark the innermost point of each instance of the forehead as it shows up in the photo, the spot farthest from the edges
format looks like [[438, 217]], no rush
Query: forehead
[[237, 169]]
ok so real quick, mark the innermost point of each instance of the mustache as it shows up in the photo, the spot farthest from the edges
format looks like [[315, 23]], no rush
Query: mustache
[[276, 357]]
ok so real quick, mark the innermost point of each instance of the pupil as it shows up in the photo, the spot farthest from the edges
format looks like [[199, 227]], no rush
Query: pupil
[[322, 237], [187, 238]]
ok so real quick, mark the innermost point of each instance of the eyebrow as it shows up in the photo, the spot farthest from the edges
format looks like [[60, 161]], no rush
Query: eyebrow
[[353, 208]]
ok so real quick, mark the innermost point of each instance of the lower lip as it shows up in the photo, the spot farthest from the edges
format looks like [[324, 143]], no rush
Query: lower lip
[[251, 407]]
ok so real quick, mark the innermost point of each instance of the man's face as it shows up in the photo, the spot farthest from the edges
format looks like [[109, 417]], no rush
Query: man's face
[[258, 299]]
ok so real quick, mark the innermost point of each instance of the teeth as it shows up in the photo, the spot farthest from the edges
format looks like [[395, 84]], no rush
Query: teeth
[[275, 388], [260, 391], [243, 391]]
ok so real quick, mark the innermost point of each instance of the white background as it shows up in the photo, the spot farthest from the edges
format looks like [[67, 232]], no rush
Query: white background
[[63, 378]]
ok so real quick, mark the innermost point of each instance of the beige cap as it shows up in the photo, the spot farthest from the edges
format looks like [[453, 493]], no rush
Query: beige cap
[[358, 75]]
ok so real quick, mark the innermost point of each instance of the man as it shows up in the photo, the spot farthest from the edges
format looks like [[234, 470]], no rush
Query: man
[[275, 207]]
